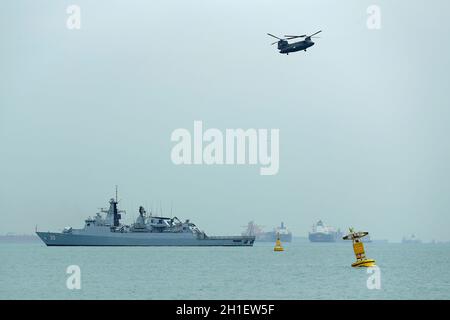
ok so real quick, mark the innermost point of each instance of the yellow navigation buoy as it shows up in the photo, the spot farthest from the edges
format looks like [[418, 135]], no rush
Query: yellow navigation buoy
[[358, 248], [278, 246]]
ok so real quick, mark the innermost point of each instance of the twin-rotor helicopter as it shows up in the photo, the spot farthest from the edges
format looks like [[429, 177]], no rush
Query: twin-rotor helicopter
[[285, 47]]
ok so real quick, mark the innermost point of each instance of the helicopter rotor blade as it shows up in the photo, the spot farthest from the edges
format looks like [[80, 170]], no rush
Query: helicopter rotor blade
[[315, 33], [269, 34], [274, 43], [292, 37]]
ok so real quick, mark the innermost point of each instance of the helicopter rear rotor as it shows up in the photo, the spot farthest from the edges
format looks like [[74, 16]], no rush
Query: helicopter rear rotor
[[290, 37]]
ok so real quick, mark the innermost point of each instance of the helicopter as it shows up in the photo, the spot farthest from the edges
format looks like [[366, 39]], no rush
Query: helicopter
[[285, 47]]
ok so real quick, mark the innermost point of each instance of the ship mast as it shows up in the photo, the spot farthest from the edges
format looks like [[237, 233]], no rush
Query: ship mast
[[116, 212]]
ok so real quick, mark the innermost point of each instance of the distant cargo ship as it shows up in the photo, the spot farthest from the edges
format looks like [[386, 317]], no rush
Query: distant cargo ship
[[411, 240], [255, 230], [322, 233]]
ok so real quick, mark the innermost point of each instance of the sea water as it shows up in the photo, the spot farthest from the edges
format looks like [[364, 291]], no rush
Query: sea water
[[303, 271]]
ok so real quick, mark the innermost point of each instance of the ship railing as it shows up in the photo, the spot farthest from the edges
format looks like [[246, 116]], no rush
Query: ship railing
[[231, 237]]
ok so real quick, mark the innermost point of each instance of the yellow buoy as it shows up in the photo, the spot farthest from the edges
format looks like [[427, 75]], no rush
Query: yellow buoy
[[278, 246], [358, 248]]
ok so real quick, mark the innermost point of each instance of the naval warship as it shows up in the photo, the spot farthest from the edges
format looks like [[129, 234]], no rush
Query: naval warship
[[148, 230]]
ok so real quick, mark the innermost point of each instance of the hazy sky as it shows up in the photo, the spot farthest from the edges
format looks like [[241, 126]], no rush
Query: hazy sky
[[363, 115]]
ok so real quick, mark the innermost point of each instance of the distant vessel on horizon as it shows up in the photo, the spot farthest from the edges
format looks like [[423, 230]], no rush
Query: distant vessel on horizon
[[148, 230], [255, 230], [411, 240], [323, 233]]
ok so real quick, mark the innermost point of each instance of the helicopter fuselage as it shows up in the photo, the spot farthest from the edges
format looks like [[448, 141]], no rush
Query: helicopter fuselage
[[296, 46]]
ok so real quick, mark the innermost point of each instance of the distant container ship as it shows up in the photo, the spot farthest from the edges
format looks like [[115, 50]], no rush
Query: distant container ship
[[322, 233], [254, 230]]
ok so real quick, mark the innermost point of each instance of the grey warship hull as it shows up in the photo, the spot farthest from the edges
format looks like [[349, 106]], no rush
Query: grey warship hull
[[141, 239], [148, 230]]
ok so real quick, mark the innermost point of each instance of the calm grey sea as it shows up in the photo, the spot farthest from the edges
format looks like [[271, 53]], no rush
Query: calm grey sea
[[303, 271]]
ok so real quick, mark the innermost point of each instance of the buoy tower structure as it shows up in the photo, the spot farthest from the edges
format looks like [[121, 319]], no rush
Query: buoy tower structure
[[358, 248], [278, 246]]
